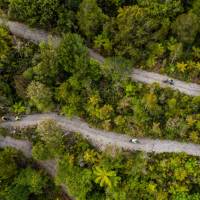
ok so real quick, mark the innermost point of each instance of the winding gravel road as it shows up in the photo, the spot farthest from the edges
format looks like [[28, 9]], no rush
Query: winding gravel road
[[37, 35], [102, 139]]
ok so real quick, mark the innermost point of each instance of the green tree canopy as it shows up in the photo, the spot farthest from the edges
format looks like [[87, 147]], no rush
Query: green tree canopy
[[90, 18], [40, 96], [186, 27]]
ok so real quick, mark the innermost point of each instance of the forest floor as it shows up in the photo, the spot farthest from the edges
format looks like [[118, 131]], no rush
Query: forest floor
[[103, 139], [38, 35]]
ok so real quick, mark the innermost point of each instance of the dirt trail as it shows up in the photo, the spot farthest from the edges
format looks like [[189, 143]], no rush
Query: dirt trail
[[37, 35], [102, 139], [26, 148]]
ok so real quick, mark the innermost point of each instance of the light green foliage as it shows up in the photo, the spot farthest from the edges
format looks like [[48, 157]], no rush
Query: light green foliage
[[40, 152], [5, 44], [51, 143], [18, 108], [106, 178], [90, 18], [128, 175], [40, 96], [196, 7]]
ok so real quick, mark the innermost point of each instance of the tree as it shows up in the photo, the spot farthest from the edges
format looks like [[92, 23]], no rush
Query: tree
[[51, 137], [5, 44], [186, 27], [46, 70], [137, 26], [28, 183], [42, 12], [6, 98], [40, 96], [106, 178], [110, 7], [31, 179], [78, 180], [90, 18], [72, 54], [8, 164], [91, 156], [73, 58]]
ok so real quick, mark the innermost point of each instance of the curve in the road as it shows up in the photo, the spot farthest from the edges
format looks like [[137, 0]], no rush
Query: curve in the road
[[37, 35], [102, 139], [26, 148]]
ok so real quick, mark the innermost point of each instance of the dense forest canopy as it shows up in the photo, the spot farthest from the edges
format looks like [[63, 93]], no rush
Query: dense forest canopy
[[113, 174], [21, 179], [156, 35], [47, 78]]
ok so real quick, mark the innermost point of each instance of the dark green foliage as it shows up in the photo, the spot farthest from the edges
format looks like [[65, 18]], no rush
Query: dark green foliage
[[4, 4], [79, 180], [19, 181], [8, 164], [73, 58], [186, 27], [45, 69], [90, 18], [156, 35], [44, 13], [72, 54], [5, 96], [16, 56], [40, 12]]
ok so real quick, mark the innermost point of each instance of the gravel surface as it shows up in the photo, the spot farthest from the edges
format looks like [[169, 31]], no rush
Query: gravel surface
[[37, 35], [102, 139]]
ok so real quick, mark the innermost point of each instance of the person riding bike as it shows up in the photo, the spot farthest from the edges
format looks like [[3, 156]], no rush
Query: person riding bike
[[169, 81]]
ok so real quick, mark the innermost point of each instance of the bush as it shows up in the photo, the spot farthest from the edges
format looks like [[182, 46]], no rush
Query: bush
[[40, 96]]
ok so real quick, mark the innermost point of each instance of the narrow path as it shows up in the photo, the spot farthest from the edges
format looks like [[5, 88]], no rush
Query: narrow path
[[37, 35], [26, 148], [102, 139]]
